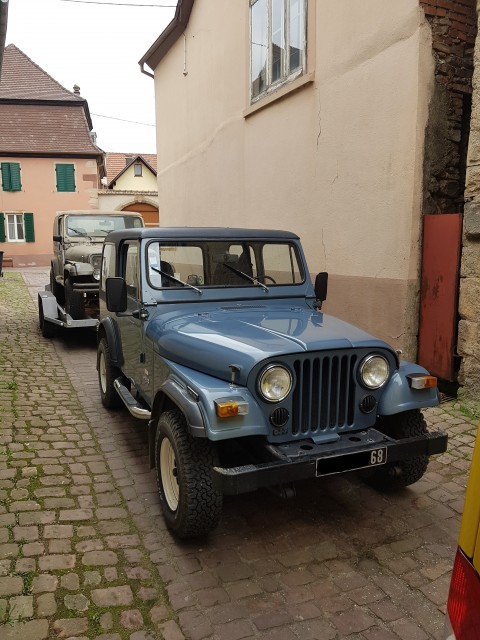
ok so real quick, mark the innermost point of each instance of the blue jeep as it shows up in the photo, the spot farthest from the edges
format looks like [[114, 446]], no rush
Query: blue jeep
[[216, 338]]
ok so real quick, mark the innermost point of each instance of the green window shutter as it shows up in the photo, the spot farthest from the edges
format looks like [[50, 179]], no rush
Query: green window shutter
[[6, 182], [29, 227], [2, 227], [11, 176], [65, 177], [15, 182]]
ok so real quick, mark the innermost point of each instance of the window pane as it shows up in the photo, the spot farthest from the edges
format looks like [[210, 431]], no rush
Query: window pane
[[11, 227], [131, 271], [20, 234], [278, 39], [297, 9], [280, 264], [137, 170], [259, 47], [184, 262]]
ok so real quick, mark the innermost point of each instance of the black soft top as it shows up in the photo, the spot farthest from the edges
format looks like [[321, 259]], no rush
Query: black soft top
[[199, 233]]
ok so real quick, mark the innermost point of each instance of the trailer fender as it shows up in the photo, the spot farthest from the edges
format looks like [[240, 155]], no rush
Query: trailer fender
[[48, 302]]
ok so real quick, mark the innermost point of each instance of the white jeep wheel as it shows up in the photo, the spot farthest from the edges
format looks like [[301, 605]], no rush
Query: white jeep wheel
[[169, 473], [190, 499]]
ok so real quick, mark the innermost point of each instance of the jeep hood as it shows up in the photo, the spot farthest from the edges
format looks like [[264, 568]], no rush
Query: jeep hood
[[211, 341], [81, 251]]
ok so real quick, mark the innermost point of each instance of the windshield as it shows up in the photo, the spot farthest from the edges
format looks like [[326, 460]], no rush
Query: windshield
[[223, 264], [98, 225]]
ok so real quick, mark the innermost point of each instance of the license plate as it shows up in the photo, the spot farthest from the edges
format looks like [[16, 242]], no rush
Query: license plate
[[351, 461]]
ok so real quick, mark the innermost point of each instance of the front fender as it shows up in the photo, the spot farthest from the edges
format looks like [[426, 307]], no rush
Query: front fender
[[108, 329], [197, 392], [399, 396]]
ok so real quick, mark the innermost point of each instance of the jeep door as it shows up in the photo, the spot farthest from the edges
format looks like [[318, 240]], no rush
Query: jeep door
[[131, 327]]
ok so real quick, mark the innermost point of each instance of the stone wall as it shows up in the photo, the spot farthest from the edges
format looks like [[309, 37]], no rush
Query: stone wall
[[454, 29], [469, 308]]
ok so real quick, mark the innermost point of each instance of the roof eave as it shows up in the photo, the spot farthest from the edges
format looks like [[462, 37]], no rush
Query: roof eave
[[168, 37]]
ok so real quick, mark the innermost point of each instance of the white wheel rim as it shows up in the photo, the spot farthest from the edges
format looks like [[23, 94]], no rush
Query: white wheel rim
[[169, 472], [102, 371]]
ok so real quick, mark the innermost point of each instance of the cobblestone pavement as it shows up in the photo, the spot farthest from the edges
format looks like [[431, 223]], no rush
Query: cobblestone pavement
[[84, 552]]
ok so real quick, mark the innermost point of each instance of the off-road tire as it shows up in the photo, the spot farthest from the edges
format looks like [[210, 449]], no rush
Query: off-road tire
[[74, 301], [398, 475], [56, 288], [184, 467], [48, 329], [107, 374]]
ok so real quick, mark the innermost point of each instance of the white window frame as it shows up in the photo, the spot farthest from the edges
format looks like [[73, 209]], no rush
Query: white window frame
[[9, 238], [286, 75]]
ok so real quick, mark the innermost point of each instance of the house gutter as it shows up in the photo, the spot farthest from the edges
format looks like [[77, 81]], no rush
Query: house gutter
[[3, 29], [168, 37]]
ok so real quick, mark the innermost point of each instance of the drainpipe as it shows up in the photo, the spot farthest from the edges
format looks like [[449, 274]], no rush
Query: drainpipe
[[3, 29]]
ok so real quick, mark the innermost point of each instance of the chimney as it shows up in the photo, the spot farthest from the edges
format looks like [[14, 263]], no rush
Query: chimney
[[76, 89]]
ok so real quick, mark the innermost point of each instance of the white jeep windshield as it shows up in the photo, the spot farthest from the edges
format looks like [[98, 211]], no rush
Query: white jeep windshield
[[98, 225], [220, 263]]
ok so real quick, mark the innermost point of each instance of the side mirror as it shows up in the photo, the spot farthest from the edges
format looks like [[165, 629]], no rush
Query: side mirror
[[116, 294], [321, 286], [57, 238]]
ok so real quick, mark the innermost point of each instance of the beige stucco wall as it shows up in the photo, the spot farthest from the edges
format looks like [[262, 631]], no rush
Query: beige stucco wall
[[129, 182], [113, 201], [40, 197], [339, 161]]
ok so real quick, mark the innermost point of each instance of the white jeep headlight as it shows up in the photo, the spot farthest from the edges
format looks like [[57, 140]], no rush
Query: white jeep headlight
[[275, 383], [374, 371]]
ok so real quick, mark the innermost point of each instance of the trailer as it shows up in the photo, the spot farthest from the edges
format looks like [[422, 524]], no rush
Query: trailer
[[52, 315]]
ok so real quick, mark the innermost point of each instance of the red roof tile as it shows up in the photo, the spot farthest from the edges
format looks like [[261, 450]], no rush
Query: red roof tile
[[37, 114], [22, 79], [52, 129]]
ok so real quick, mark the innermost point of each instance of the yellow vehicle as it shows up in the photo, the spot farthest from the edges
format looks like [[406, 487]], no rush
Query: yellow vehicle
[[463, 606]]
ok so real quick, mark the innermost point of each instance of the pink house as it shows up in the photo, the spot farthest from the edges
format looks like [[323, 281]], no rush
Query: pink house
[[48, 158]]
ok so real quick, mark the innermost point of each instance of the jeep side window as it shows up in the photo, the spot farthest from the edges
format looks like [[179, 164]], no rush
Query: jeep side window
[[131, 270], [108, 263]]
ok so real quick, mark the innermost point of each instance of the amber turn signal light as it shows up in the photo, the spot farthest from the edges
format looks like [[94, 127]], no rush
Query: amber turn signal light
[[422, 382], [231, 408]]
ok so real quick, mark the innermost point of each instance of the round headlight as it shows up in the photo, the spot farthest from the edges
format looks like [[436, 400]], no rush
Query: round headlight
[[374, 371], [275, 383]]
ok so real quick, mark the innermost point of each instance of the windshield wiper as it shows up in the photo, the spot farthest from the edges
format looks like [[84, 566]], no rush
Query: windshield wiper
[[167, 275], [246, 276], [83, 234]]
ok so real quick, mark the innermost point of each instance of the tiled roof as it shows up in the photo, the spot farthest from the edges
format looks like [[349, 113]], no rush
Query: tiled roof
[[37, 114], [116, 162], [35, 128], [22, 79]]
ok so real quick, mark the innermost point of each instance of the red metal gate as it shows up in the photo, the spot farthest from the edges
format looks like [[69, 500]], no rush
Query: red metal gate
[[442, 234]]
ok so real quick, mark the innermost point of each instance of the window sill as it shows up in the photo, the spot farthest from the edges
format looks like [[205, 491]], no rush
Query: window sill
[[282, 91]]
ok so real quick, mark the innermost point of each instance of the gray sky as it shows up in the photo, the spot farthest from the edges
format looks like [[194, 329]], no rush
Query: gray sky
[[97, 46]]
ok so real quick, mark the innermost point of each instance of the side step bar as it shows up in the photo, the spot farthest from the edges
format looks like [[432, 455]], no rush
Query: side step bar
[[136, 409]]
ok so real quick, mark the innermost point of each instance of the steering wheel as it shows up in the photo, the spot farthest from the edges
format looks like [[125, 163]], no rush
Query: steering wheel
[[264, 277]]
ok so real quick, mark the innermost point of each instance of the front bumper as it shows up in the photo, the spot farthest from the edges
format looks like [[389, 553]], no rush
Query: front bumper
[[303, 459], [86, 287]]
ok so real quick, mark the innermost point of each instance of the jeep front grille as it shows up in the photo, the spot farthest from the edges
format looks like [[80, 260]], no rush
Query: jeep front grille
[[324, 394]]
